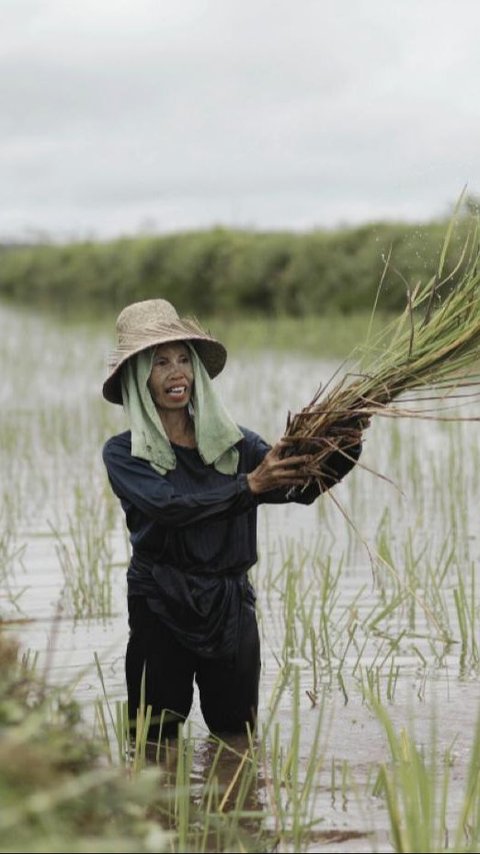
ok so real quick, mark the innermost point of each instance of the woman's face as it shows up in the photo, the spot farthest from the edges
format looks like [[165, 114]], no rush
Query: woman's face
[[171, 379]]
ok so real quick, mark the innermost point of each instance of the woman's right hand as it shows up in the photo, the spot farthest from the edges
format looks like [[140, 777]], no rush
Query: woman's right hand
[[275, 471]]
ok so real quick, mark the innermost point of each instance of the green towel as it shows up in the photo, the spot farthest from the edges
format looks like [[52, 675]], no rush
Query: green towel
[[215, 432]]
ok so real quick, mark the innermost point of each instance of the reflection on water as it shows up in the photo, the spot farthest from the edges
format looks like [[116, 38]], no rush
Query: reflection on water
[[212, 789], [402, 624]]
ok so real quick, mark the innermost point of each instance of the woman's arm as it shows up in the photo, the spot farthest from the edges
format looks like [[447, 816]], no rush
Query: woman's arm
[[337, 465], [134, 481]]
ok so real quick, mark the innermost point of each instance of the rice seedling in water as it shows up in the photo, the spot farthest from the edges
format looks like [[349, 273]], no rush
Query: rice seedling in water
[[11, 560], [215, 810], [467, 607], [416, 788], [85, 557], [255, 792], [209, 815], [406, 630], [291, 786]]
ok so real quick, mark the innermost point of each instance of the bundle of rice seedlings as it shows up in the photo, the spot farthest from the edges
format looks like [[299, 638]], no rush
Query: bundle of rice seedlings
[[434, 344]]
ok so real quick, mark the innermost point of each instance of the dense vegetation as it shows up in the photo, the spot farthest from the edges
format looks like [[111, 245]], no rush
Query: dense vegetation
[[57, 789], [225, 272]]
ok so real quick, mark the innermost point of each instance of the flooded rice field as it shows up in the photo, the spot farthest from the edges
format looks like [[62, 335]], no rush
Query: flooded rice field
[[368, 600]]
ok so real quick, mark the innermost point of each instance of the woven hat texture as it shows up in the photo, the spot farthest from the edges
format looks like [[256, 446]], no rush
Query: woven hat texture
[[151, 322]]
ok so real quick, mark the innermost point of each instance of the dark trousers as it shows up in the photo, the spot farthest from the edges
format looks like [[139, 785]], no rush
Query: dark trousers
[[228, 687]]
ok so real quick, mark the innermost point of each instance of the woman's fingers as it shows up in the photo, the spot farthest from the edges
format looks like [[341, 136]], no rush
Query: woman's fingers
[[276, 453], [291, 467], [277, 449], [275, 471], [289, 462]]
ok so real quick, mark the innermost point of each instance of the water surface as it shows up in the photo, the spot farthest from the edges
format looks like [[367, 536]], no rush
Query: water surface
[[420, 516]]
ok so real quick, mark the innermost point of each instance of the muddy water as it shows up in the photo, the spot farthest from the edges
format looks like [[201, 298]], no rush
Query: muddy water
[[413, 499]]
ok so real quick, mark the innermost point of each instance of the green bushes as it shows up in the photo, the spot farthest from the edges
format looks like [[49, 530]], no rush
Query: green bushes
[[222, 272], [58, 791]]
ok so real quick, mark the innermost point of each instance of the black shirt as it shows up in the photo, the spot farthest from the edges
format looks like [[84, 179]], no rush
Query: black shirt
[[193, 533]]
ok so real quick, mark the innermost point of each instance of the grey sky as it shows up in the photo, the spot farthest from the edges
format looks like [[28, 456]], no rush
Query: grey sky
[[123, 115]]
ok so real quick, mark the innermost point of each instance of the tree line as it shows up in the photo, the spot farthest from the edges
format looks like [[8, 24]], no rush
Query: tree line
[[223, 271]]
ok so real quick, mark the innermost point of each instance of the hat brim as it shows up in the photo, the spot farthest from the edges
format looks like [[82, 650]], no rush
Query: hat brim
[[212, 353]]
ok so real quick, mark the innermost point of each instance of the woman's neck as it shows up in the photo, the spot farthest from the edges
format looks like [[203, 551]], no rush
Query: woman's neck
[[178, 426]]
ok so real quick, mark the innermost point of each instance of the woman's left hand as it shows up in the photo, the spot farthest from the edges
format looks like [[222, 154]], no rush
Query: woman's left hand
[[276, 471]]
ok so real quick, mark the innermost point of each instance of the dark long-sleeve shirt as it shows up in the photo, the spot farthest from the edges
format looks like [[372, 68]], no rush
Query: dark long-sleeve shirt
[[193, 533]]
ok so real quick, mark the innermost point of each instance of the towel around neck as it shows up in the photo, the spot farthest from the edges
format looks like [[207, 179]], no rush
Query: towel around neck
[[215, 432]]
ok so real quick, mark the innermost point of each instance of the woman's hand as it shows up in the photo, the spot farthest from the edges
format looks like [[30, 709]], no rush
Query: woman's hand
[[275, 471]]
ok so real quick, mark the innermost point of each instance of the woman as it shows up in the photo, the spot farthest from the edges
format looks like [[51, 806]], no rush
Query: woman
[[189, 481]]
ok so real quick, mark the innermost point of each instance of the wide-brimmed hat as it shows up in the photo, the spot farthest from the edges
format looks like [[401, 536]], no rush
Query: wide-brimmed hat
[[149, 323]]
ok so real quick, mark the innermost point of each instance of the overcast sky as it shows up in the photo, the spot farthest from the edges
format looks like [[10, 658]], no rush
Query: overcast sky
[[121, 116]]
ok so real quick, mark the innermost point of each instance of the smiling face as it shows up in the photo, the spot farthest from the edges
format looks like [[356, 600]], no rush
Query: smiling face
[[171, 379]]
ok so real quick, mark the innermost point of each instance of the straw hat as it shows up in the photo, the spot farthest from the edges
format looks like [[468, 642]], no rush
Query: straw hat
[[151, 322]]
